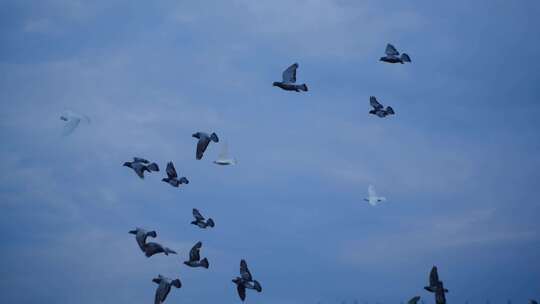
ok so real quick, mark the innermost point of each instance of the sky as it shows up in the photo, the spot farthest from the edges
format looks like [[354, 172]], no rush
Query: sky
[[458, 162]]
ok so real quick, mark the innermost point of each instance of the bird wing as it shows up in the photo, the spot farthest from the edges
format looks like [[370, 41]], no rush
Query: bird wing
[[197, 215], [289, 75], [194, 253], [241, 291], [244, 271], [171, 172], [140, 160], [71, 125], [433, 277], [374, 103], [201, 146], [162, 292], [371, 191], [391, 50], [414, 300]]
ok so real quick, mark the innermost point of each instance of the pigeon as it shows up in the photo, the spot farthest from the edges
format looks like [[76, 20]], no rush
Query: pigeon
[[531, 301], [195, 257], [414, 300], [139, 165], [164, 287], [223, 158], [372, 198], [392, 55], [204, 140], [436, 286], [378, 108], [245, 281], [72, 120], [141, 235], [289, 80], [172, 177], [200, 221], [152, 248]]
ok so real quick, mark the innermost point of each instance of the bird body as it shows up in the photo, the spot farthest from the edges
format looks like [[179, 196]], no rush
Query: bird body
[[378, 108], [141, 235], [392, 55], [172, 177], [288, 82], [203, 142], [195, 257], [200, 220], [140, 165], [436, 286], [152, 248], [372, 198], [245, 281]]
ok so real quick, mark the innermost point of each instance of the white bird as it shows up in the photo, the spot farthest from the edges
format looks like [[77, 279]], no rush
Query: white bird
[[72, 120], [224, 158], [372, 198]]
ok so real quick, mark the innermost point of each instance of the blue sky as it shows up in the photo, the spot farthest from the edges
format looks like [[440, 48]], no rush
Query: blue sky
[[459, 162]]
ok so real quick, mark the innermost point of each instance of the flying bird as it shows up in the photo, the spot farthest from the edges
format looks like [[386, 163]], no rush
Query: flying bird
[[152, 248], [392, 55], [436, 286], [204, 140], [172, 177], [139, 165], [72, 120], [224, 158], [200, 221], [372, 198], [531, 301], [378, 108], [245, 281], [164, 287], [414, 300], [289, 80], [141, 235], [195, 257]]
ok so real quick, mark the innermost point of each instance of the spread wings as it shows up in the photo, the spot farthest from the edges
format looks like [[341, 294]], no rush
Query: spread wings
[[244, 271], [171, 172], [391, 50], [289, 75]]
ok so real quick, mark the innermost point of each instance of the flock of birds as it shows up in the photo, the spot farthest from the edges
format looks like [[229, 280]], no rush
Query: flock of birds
[[245, 280]]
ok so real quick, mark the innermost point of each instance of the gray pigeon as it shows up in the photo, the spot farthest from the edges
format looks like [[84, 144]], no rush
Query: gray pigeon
[[172, 177], [152, 248], [200, 221], [414, 300], [392, 55], [139, 165], [245, 281], [141, 235], [378, 108], [204, 140], [195, 257], [164, 287], [289, 80], [436, 286]]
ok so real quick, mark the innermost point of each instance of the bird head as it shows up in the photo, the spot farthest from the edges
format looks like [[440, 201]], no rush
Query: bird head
[[196, 135], [275, 84], [382, 58], [127, 164], [133, 231], [63, 118]]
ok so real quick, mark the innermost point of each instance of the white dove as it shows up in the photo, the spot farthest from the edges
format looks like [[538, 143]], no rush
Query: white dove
[[72, 120], [372, 198], [224, 158]]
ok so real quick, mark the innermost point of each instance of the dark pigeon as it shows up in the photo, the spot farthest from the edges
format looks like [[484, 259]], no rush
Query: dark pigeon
[[154, 248], [245, 281], [436, 286], [195, 257], [172, 177], [289, 80], [204, 140], [141, 235], [164, 287], [139, 165], [392, 55], [200, 221], [378, 108]]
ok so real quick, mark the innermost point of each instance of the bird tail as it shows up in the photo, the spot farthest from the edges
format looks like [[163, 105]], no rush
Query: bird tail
[[153, 167], [184, 180], [210, 222], [303, 87], [214, 137], [204, 263], [176, 283], [405, 58], [390, 110], [257, 286]]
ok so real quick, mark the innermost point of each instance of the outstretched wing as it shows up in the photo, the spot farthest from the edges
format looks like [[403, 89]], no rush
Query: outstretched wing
[[391, 50], [194, 252], [201, 146], [371, 191], [171, 172], [244, 271], [374, 103], [140, 160], [433, 277], [241, 291], [414, 300], [197, 215], [289, 75]]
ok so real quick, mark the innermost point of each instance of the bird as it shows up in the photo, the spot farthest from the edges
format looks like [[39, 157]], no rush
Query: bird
[[152, 248], [392, 55], [72, 120], [141, 235], [245, 281], [204, 140], [414, 300], [223, 158], [200, 221], [172, 177], [372, 198], [436, 286], [289, 80], [139, 165], [378, 108], [164, 287], [195, 257], [531, 301]]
